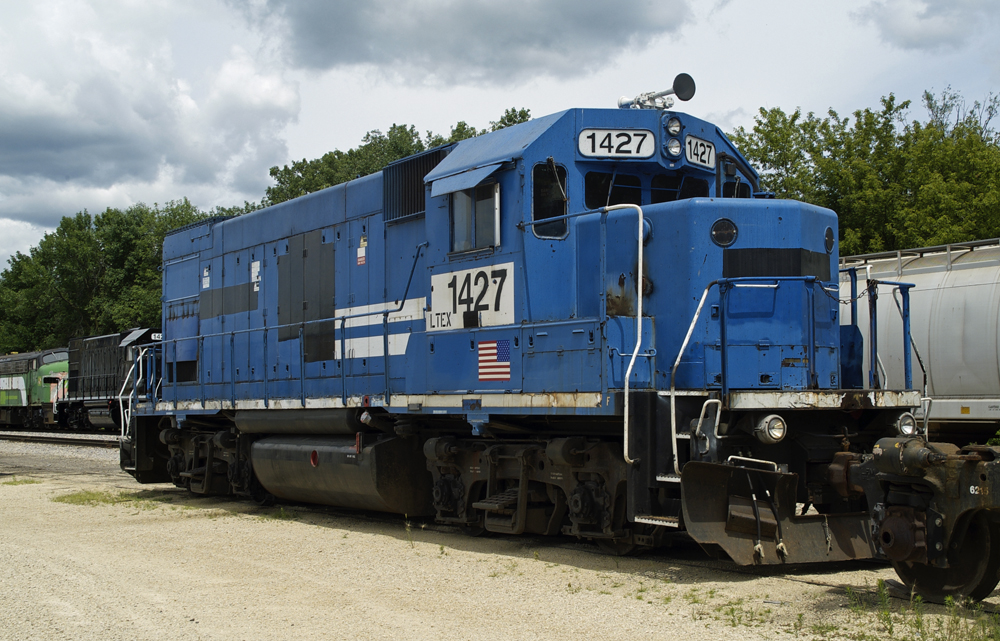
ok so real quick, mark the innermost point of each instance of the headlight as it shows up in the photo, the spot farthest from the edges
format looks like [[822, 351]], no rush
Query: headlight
[[906, 425], [829, 239], [674, 147], [770, 429], [674, 126], [724, 232]]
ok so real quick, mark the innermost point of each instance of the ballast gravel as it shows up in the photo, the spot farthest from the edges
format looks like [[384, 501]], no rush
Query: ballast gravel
[[155, 562]]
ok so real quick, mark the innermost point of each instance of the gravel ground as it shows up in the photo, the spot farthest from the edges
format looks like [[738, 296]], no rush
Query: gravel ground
[[154, 562]]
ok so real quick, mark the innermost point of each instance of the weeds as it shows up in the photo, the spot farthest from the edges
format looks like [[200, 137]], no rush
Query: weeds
[[693, 597], [281, 514], [145, 500], [89, 497], [823, 629], [16, 481], [884, 612], [912, 623], [739, 614], [409, 530]]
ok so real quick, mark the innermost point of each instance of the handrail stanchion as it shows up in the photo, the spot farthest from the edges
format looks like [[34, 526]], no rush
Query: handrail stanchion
[[200, 368], [173, 382], [907, 342], [810, 283], [854, 295], [302, 365], [232, 369], [385, 352], [873, 380], [343, 361], [724, 287]]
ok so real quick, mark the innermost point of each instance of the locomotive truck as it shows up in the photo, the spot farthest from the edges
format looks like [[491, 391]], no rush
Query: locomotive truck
[[590, 324]]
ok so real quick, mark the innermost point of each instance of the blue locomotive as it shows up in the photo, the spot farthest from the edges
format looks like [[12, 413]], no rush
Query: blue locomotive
[[590, 324]]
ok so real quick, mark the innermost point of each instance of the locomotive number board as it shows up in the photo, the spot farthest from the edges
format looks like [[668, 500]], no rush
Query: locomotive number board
[[699, 152], [616, 143], [478, 297]]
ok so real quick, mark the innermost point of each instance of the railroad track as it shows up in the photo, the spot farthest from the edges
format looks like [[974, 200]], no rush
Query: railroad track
[[60, 440]]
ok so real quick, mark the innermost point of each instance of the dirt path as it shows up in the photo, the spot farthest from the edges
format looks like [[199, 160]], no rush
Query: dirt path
[[154, 562]]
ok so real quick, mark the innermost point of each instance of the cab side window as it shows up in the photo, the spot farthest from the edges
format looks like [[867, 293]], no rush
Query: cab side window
[[666, 188], [475, 218], [548, 199], [600, 191]]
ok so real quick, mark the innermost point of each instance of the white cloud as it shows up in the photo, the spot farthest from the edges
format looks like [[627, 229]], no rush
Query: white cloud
[[930, 24], [474, 42], [94, 112], [17, 236]]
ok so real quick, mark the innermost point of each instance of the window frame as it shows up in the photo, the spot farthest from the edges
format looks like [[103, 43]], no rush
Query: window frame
[[471, 194], [537, 222], [614, 176]]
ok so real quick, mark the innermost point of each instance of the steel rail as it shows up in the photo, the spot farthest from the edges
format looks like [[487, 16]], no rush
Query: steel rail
[[59, 440]]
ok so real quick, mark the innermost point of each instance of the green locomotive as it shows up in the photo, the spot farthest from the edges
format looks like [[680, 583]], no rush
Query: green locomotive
[[31, 385]]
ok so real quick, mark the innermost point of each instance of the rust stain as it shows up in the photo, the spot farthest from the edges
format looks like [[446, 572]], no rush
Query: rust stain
[[621, 303]]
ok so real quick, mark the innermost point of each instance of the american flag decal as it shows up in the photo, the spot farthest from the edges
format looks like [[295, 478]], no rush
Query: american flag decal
[[494, 360]]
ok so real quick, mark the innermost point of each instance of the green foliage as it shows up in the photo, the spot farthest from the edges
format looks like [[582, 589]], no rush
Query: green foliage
[[510, 117], [239, 210], [375, 152], [894, 183], [16, 481], [92, 275]]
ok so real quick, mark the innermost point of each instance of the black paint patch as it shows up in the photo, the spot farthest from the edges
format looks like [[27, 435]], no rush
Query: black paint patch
[[769, 262], [235, 299]]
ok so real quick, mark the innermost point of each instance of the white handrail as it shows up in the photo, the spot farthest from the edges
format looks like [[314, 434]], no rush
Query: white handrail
[[638, 319], [127, 417], [673, 372]]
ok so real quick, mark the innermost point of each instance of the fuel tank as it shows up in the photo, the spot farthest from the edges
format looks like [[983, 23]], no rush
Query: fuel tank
[[389, 475], [955, 324]]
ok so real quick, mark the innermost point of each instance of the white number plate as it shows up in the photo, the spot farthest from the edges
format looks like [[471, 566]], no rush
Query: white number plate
[[699, 152], [486, 292], [616, 143]]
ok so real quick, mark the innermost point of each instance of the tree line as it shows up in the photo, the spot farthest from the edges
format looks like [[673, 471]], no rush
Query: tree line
[[100, 274], [895, 182]]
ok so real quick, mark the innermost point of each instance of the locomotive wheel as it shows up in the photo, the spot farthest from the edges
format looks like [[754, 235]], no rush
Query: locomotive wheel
[[975, 573]]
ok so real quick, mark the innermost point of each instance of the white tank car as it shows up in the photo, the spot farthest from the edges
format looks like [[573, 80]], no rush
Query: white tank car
[[955, 326]]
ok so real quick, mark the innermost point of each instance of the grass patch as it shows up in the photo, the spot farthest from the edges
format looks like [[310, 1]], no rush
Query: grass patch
[[89, 497], [738, 613], [17, 481], [144, 499], [281, 514], [911, 622]]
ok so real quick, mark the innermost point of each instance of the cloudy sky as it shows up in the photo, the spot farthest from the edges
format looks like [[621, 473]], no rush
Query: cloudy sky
[[105, 103]]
